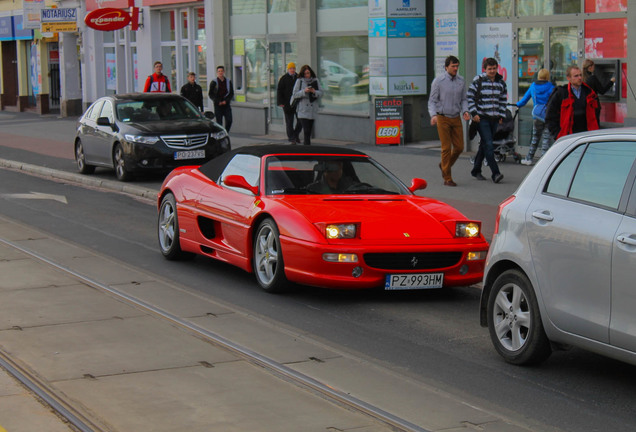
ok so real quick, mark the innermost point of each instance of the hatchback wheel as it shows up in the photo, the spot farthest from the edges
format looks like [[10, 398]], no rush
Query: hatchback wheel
[[268, 258], [80, 158], [514, 320], [119, 164]]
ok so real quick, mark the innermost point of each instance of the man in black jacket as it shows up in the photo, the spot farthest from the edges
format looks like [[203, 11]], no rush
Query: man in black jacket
[[193, 91], [284, 93], [221, 92]]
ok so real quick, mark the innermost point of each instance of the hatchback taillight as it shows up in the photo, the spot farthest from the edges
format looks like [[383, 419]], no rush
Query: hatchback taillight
[[504, 203]]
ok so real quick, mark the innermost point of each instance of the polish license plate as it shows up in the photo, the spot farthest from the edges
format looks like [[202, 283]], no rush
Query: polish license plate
[[414, 281], [189, 154]]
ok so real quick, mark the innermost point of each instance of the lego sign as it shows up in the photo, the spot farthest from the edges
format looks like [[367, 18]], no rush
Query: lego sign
[[389, 120]]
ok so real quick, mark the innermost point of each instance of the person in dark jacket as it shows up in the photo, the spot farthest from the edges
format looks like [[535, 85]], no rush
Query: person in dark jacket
[[487, 99], [540, 92], [193, 91], [283, 97], [573, 107], [221, 92], [592, 80]]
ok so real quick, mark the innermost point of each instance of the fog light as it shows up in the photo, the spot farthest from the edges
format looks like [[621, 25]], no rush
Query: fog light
[[463, 269], [340, 257], [476, 256], [144, 162], [357, 272]]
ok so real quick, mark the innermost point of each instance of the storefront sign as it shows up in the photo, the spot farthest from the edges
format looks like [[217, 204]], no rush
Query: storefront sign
[[107, 19], [389, 120], [11, 29], [31, 11], [58, 20]]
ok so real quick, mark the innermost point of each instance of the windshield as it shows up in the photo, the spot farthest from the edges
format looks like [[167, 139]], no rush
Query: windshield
[[156, 109], [311, 174]]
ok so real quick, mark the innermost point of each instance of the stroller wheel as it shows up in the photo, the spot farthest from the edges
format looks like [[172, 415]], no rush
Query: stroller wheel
[[499, 158], [472, 160]]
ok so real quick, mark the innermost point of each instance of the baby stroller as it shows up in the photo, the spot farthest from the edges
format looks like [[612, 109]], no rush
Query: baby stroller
[[504, 141]]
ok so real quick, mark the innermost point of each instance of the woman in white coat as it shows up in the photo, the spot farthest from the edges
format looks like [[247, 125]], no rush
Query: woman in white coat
[[307, 92]]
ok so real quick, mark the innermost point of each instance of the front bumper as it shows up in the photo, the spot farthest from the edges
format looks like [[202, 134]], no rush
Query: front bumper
[[304, 264]]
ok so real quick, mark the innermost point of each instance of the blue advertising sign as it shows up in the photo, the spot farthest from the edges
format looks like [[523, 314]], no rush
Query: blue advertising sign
[[407, 27], [11, 29]]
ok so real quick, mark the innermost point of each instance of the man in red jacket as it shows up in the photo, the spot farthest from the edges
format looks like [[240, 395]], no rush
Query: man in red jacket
[[157, 82], [573, 107]]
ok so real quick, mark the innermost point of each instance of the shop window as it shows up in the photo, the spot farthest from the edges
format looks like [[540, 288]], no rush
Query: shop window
[[253, 57], [167, 26], [247, 7], [506, 8], [335, 4], [343, 73], [599, 6]]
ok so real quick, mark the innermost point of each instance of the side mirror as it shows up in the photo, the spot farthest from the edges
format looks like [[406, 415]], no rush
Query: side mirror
[[103, 121], [239, 182], [418, 184], [209, 114]]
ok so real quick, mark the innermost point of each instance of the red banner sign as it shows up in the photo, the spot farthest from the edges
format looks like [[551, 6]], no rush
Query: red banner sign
[[107, 19]]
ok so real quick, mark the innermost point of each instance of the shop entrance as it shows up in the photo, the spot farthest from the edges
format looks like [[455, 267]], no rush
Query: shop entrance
[[543, 46], [280, 53], [9, 74]]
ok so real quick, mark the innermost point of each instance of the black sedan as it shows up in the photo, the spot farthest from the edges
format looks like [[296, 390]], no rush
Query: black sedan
[[146, 132]]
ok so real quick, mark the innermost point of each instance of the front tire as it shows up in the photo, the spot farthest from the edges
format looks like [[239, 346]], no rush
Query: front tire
[[168, 229], [119, 163], [268, 264], [80, 159], [514, 320]]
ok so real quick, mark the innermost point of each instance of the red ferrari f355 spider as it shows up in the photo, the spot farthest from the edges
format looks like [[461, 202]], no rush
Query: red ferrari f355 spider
[[322, 216]]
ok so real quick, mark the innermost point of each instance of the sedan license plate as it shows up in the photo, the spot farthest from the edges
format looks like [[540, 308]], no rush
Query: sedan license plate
[[414, 281], [189, 154]]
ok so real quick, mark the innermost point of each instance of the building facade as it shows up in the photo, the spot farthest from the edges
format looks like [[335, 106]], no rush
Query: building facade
[[360, 50]]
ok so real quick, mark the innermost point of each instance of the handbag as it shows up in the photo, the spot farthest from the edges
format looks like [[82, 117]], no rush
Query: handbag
[[472, 130], [294, 105]]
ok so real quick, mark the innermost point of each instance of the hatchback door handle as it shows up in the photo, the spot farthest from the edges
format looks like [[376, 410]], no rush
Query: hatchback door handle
[[543, 216], [627, 240]]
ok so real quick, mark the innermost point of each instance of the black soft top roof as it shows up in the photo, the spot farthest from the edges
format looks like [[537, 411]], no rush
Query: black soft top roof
[[213, 168]]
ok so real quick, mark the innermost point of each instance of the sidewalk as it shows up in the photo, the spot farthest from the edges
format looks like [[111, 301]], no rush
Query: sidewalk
[[124, 369]]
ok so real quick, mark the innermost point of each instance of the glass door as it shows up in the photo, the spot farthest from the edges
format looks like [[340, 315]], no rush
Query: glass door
[[562, 45], [280, 53]]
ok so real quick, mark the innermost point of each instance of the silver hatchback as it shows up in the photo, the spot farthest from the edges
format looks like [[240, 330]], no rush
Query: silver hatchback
[[561, 264]]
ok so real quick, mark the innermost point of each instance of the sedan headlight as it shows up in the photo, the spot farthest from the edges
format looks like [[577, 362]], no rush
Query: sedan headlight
[[341, 231], [141, 139], [467, 229], [219, 135]]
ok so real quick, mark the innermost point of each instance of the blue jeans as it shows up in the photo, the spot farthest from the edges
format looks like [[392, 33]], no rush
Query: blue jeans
[[223, 116], [486, 129], [539, 132]]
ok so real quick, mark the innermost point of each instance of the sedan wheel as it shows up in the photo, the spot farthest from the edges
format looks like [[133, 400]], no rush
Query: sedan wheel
[[120, 164], [268, 258], [514, 320], [168, 229], [80, 158]]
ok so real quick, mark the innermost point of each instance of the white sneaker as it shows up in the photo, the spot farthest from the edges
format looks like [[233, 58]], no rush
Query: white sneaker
[[526, 161]]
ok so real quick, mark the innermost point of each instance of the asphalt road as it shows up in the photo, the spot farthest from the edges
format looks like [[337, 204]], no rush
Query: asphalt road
[[433, 336]]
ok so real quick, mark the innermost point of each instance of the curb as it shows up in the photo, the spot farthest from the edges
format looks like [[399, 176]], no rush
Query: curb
[[81, 179]]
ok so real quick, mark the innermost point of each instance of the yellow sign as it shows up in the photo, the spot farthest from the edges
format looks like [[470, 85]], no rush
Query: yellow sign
[[53, 27]]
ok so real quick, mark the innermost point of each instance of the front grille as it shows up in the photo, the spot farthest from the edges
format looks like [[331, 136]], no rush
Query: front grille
[[185, 141], [412, 261]]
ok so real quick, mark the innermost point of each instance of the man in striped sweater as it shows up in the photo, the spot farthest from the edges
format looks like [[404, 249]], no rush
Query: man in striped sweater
[[487, 97]]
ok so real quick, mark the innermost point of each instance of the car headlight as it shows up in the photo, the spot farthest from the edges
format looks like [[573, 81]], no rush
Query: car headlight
[[341, 231], [141, 139], [467, 229], [219, 135]]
